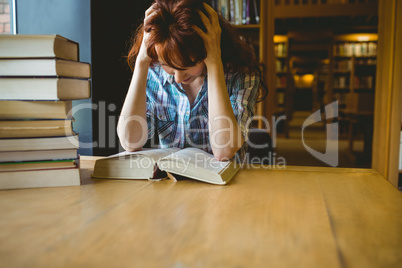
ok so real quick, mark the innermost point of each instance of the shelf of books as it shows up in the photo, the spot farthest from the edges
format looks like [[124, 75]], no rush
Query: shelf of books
[[40, 75], [320, 88], [242, 13], [245, 15], [353, 73], [281, 67], [330, 8], [281, 45]]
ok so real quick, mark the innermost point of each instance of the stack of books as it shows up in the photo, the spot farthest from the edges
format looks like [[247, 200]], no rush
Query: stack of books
[[40, 75]]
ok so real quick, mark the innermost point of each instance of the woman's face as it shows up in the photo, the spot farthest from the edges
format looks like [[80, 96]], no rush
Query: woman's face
[[186, 76]]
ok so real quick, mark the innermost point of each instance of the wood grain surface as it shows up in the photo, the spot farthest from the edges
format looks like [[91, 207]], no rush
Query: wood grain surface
[[296, 217]]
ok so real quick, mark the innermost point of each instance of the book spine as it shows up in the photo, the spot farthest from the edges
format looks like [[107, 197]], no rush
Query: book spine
[[214, 4], [28, 88], [238, 12], [35, 128], [256, 8], [40, 178], [30, 144], [225, 9], [232, 11], [244, 15], [35, 109], [248, 12]]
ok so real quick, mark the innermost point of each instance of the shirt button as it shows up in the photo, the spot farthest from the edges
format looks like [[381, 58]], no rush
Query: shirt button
[[187, 113]]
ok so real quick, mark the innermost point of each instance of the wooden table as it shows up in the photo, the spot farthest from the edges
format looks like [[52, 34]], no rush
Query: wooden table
[[297, 217]]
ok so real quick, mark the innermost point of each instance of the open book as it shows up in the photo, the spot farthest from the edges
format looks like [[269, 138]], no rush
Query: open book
[[149, 164]]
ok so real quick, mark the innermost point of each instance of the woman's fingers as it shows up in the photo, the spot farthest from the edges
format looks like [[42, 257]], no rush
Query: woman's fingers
[[200, 32], [211, 23], [149, 10], [205, 20], [213, 16], [149, 13]]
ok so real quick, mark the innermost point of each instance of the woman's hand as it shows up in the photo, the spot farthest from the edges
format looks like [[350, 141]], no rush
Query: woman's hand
[[142, 54], [212, 38], [132, 128], [224, 131]]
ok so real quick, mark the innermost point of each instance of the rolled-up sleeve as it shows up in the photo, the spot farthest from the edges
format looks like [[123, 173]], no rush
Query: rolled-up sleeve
[[150, 118], [152, 87], [243, 97]]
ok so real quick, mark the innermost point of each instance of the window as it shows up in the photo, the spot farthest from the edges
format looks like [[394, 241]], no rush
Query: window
[[5, 16]]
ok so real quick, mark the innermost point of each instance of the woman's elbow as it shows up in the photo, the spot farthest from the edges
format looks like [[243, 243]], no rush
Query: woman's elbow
[[130, 148], [225, 154], [130, 143]]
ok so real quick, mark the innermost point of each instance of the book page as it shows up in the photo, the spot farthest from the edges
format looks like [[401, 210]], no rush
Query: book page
[[154, 154], [196, 159]]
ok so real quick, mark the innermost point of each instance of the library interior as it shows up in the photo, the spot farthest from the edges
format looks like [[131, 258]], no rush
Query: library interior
[[321, 55], [333, 116]]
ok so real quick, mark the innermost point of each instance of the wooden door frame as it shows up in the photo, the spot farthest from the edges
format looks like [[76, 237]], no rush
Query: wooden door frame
[[387, 112]]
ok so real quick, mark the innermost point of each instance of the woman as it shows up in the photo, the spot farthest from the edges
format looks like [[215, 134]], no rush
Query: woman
[[195, 83]]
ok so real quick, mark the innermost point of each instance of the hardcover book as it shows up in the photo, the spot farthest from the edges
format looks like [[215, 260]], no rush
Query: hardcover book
[[44, 67], [35, 109], [35, 128], [38, 165], [40, 178], [44, 88], [38, 155], [171, 162], [38, 46], [32, 144]]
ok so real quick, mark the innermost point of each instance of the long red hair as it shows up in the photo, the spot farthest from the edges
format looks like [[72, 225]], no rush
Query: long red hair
[[179, 46]]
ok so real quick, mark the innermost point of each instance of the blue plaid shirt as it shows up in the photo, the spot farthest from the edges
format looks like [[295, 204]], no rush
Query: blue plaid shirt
[[179, 124]]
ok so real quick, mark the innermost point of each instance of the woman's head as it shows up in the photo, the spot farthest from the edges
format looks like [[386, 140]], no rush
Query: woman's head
[[172, 39], [179, 46]]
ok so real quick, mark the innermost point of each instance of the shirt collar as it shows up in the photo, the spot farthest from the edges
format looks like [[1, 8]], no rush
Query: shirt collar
[[165, 76]]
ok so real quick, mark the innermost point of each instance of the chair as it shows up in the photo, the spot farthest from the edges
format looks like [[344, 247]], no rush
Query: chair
[[260, 149]]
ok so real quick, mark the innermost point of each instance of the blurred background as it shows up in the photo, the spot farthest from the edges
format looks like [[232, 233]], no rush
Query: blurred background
[[316, 52]]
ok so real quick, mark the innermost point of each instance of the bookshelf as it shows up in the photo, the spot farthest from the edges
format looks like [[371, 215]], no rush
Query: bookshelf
[[320, 87], [323, 8], [281, 46], [242, 13], [255, 32], [261, 37], [353, 73]]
